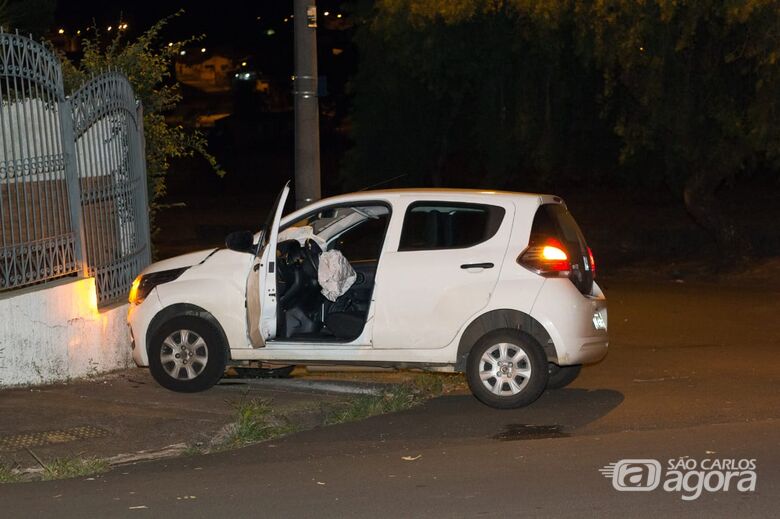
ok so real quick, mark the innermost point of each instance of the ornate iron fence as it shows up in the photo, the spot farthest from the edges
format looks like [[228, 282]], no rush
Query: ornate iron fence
[[38, 238], [107, 124], [73, 194]]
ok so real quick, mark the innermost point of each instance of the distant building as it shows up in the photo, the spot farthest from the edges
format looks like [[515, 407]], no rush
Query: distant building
[[213, 74]]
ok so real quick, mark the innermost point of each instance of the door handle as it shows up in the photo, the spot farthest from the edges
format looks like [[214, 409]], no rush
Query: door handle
[[477, 266]]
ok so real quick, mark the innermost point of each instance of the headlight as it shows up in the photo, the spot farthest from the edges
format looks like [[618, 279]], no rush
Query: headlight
[[144, 284]]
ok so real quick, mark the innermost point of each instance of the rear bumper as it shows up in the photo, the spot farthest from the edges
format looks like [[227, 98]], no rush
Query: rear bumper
[[573, 321]]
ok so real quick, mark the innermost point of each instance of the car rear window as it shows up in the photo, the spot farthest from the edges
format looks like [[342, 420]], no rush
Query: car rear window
[[448, 225], [555, 221]]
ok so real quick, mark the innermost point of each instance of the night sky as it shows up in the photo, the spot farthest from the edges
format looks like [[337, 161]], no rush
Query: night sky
[[231, 26]]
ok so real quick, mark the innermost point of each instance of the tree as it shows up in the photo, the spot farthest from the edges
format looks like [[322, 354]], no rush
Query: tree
[[473, 92], [147, 65], [28, 16], [694, 86]]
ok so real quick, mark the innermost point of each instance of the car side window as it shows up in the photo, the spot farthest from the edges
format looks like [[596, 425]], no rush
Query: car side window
[[448, 225], [364, 241]]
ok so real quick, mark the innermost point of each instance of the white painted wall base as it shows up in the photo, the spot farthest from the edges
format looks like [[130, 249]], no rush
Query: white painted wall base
[[54, 333]]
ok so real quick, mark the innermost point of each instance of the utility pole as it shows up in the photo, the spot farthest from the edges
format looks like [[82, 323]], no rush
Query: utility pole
[[307, 111]]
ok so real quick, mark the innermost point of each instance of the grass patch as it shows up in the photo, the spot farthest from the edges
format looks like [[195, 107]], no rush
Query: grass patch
[[8, 475], [193, 450], [63, 468], [428, 384], [435, 384], [256, 422], [412, 392], [398, 398]]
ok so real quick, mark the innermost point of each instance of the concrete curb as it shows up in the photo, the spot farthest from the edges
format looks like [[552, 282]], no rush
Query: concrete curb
[[311, 386]]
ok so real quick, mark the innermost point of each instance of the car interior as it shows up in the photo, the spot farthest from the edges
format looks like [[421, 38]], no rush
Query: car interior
[[303, 313]]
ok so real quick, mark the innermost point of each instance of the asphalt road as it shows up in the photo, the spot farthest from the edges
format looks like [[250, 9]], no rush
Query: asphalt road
[[692, 374]]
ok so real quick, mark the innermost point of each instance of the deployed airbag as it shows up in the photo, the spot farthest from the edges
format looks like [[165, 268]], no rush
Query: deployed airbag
[[301, 234], [335, 274]]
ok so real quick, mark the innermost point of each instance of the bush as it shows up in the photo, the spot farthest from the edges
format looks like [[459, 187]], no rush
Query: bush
[[147, 63]]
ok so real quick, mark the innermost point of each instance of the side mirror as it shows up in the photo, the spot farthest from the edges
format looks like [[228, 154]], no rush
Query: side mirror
[[240, 241]]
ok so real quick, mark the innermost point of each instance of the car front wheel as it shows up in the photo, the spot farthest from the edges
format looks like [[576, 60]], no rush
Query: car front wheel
[[507, 369], [187, 355]]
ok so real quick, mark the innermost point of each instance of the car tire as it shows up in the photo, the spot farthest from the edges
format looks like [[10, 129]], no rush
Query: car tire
[[187, 355], [507, 369], [561, 376]]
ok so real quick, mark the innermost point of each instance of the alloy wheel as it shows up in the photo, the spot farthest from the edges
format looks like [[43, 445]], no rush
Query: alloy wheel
[[504, 369], [184, 355]]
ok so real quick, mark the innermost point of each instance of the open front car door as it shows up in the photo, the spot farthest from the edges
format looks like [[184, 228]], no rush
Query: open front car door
[[261, 281]]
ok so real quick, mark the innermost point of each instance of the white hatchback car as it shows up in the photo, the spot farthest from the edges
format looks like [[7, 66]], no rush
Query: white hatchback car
[[498, 285]]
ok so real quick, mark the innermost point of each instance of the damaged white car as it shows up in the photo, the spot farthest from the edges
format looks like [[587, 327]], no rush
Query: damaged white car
[[498, 285]]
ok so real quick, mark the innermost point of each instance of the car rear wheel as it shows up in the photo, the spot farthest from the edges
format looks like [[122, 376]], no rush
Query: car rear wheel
[[507, 369], [562, 376], [186, 354]]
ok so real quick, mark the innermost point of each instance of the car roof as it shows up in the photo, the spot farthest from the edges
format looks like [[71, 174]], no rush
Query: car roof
[[527, 201], [423, 193]]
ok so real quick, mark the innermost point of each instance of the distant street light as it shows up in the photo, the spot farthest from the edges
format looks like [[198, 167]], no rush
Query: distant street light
[[61, 31], [203, 49]]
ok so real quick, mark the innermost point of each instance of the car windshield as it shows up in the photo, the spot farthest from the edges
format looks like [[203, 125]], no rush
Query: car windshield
[[330, 222]]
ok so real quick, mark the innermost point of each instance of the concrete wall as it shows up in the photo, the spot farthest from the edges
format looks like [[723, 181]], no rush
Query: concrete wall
[[54, 332]]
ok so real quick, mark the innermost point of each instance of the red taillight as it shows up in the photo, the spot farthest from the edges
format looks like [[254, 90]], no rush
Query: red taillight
[[592, 263], [547, 259]]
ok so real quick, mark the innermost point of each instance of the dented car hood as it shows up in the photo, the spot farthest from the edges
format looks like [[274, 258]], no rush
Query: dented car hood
[[185, 260]]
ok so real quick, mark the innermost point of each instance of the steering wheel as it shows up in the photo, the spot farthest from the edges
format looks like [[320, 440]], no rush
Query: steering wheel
[[288, 277], [297, 270], [311, 254], [288, 255]]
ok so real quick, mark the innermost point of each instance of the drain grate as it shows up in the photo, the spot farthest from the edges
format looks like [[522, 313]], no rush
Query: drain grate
[[518, 431], [15, 442]]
